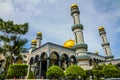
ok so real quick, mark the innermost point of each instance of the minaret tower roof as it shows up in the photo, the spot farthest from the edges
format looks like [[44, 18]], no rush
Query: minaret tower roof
[[39, 33], [74, 5], [101, 28], [34, 41]]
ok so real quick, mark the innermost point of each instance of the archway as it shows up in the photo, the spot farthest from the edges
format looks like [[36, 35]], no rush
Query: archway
[[64, 61], [54, 58], [36, 66], [31, 63], [73, 60], [19, 60], [1, 62], [90, 62], [43, 65], [25, 59], [94, 61]]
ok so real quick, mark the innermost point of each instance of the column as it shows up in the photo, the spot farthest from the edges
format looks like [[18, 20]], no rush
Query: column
[[65, 64], [59, 62], [40, 68], [48, 62], [69, 62]]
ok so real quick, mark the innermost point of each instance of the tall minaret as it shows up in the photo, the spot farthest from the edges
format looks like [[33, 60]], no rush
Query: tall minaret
[[105, 44], [38, 39], [77, 28]]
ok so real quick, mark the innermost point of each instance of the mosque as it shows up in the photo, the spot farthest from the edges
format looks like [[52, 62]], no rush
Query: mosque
[[41, 57]]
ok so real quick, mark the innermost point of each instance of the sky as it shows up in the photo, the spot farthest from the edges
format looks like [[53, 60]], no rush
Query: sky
[[53, 19]]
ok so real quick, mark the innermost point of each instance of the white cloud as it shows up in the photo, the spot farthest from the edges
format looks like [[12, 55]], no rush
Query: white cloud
[[21, 10], [6, 8]]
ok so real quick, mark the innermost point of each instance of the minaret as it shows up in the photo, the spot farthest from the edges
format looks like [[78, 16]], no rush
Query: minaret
[[105, 44], [33, 44], [38, 39], [77, 28], [80, 46]]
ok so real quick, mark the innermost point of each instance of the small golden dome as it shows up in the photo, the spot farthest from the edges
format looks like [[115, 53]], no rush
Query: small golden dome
[[74, 5], [39, 33], [69, 43], [34, 41], [101, 28], [96, 52]]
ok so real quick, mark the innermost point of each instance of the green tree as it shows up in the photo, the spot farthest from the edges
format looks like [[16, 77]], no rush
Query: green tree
[[98, 71], [11, 34], [55, 72], [17, 71], [118, 66], [111, 71], [74, 71]]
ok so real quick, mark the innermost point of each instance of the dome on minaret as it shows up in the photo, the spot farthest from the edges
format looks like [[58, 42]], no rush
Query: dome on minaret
[[39, 33], [101, 28], [74, 5], [69, 43], [34, 41]]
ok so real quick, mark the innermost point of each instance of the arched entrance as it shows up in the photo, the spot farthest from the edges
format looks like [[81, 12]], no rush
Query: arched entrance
[[19, 60], [31, 64], [73, 60], [36, 68], [43, 65], [90, 62], [94, 61], [64, 61], [54, 59]]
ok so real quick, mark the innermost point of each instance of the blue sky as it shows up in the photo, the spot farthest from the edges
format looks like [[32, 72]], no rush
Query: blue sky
[[53, 19]]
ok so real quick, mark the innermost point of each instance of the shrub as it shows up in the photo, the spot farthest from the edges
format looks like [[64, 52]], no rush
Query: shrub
[[98, 71], [110, 71], [75, 71], [17, 70], [55, 72]]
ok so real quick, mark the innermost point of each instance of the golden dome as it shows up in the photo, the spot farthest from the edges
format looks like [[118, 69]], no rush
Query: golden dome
[[69, 43], [101, 28], [39, 33], [96, 52], [74, 5], [34, 41]]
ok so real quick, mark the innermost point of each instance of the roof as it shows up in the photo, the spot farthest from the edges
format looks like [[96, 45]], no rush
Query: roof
[[49, 43]]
